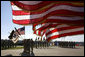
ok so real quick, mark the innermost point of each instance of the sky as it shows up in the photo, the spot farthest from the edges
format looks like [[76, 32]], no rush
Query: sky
[[7, 26]]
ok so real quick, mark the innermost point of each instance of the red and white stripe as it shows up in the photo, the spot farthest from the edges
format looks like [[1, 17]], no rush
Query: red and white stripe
[[63, 30], [46, 25], [34, 5], [43, 26], [37, 32], [31, 5], [37, 26], [49, 13]]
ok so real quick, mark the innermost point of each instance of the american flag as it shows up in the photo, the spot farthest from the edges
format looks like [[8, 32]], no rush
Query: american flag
[[56, 30], [30, 12], [64, 12], [63, 30], [21, 30]]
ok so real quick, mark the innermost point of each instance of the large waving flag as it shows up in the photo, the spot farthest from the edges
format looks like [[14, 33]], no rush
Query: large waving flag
[[63, 30], [30, 12], [56, 30]]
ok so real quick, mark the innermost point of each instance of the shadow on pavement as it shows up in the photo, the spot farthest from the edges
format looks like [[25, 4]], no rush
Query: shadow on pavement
[[27, 54], [32, 54], [9, 55]]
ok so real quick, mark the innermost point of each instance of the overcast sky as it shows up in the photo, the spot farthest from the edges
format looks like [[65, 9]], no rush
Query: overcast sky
[[7, 26]]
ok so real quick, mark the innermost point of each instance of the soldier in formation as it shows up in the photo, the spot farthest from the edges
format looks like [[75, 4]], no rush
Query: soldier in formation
[[41, 44], [66, 44], [31, 45], [5, 44]]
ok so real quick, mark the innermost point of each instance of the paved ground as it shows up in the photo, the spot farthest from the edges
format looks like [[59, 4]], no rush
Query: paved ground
[[51, 51]]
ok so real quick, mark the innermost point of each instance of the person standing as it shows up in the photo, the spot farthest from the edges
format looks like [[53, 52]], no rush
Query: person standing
[[36, 43], [43, 44], [27, 46], [31, 45], [73, 44]]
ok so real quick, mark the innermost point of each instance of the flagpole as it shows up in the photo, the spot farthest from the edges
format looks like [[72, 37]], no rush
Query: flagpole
[[19, 34]]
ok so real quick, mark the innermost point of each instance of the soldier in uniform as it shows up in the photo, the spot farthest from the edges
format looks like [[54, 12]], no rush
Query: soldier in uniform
[[47, 44], [43, 44], [27, 46], [68, 44], [32, 45], [59, 43], [40, 44], [2, 44], [73, 44], [36, 43], [62, 44]]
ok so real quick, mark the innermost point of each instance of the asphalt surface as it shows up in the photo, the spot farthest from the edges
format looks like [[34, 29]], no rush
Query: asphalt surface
[[51, 51]]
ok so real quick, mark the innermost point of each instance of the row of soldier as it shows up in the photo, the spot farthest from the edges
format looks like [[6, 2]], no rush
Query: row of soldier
[[41, 44], [5, 44], [66, 44]]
